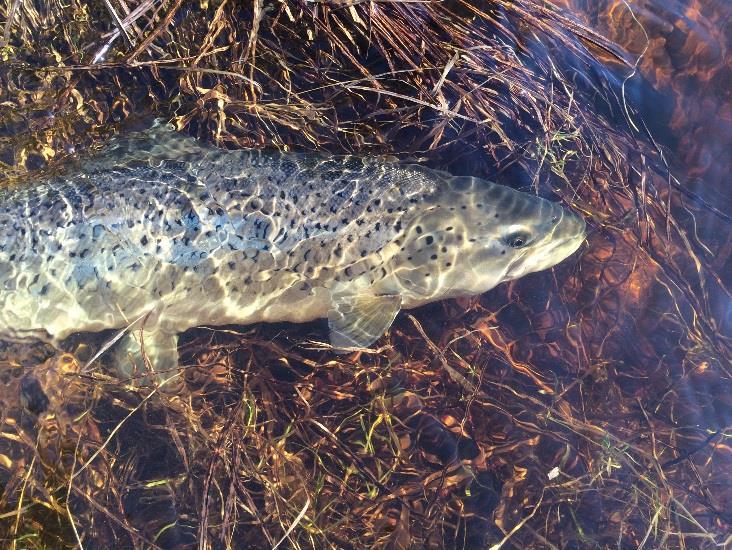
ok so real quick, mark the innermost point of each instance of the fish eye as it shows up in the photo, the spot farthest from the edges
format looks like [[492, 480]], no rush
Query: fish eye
[[519, 239]]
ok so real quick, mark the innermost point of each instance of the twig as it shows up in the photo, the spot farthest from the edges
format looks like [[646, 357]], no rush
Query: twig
[[17, 512], [297, 520], [9, 22], [154, 34], [118, 23]]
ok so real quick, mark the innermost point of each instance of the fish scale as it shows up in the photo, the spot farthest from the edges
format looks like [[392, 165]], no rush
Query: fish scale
[[164, 227]]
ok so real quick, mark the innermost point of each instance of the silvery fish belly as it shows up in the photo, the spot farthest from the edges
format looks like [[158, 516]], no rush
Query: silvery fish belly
[[163, 228]]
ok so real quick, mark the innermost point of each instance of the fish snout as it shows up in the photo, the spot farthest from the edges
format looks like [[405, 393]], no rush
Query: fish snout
[[568, 233], [575, 225], [565, 224]]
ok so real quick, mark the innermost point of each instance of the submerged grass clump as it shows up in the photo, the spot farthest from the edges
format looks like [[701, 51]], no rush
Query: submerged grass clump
[[586, 406]]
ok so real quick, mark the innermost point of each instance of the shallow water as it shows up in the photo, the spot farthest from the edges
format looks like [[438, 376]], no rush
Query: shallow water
[[588, 406], [681, 51]]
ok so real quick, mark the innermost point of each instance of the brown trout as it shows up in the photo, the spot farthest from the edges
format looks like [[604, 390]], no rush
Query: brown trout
[[161, 227]]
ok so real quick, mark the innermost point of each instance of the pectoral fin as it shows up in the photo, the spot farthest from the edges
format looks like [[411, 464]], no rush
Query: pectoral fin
[[357, 321]]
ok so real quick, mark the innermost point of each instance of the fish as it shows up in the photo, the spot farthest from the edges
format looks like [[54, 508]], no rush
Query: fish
[[162, 227]]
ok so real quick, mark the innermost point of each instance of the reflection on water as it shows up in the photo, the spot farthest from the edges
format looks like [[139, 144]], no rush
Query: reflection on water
[[675, 312], [587, 406], [683, 50]]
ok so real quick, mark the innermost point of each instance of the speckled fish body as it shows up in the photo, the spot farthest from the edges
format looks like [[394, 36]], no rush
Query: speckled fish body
[[186, 234]]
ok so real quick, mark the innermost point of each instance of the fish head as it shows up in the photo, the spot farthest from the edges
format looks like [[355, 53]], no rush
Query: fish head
[[472, 235]]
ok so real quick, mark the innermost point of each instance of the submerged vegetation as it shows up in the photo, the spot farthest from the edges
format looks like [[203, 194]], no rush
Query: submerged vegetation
[[584, 407]]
